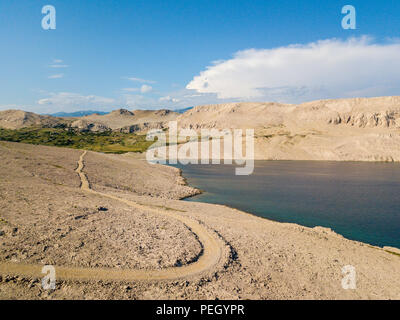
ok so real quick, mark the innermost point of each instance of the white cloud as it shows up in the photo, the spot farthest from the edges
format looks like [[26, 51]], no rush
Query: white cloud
[[145, 88], [139, 102], [324, 69], [141, 80], [73, 101], [56, 76], [168, 99], [57, 61]]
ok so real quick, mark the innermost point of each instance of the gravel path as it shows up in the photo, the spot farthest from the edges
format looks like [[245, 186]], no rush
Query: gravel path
[[211, 255]]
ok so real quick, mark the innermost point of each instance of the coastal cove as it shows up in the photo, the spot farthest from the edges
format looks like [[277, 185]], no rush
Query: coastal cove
[[359, 200]]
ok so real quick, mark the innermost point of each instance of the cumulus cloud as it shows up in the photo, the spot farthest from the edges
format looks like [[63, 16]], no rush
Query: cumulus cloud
[[186, 98], [324, 69], [145, 88], [168, 99]]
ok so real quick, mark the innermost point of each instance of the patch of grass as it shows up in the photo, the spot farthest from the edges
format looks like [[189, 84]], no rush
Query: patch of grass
[[107, 142]]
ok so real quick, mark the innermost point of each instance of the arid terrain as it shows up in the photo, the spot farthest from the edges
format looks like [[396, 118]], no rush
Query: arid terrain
[[357, 129], [118, 120], [114, 228]]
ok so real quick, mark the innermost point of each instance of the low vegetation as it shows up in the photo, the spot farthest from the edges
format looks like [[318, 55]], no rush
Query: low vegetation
[[107, 142]]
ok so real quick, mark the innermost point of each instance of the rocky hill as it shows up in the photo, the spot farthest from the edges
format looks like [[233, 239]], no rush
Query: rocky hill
[[126, 121], [17, 119], [358, 112], [118, 120], [359, 129], [366, 129]]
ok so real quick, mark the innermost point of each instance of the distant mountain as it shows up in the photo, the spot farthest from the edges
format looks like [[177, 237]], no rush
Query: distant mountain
[[183, 110], [77, 114]]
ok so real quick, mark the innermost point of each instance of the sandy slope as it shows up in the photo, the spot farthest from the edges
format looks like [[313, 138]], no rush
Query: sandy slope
[[129, 121], [261, 259], [360, 129], [121, 119], [357, 129], [16, 119], [210, 256]]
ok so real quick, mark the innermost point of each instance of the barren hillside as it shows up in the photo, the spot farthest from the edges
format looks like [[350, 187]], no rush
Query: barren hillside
[[129, 121], [121, 119], [16, 119], [360, 129]]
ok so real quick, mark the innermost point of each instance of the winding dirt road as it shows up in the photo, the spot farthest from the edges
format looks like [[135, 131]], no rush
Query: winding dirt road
[[211, 254]]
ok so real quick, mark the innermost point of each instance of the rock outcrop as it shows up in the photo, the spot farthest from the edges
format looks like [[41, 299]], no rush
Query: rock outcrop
[[360, 129], [84, 126]]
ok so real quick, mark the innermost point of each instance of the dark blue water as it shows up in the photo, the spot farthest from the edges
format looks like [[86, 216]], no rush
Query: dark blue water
[[361, 201]]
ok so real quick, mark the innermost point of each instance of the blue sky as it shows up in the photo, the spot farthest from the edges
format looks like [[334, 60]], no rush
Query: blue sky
[[152, 54]]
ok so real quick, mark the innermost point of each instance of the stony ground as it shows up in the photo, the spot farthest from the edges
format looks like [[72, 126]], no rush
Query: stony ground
[[47, 219], [108, 172]]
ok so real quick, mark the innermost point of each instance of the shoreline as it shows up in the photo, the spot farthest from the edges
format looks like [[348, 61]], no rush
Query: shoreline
[[260, 258], [181, 174]]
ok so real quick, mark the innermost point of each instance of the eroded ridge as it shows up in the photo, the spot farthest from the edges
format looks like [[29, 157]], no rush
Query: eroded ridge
[[211, 255]]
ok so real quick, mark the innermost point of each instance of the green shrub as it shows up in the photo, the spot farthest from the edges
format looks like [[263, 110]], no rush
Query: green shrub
[[108, 142]]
